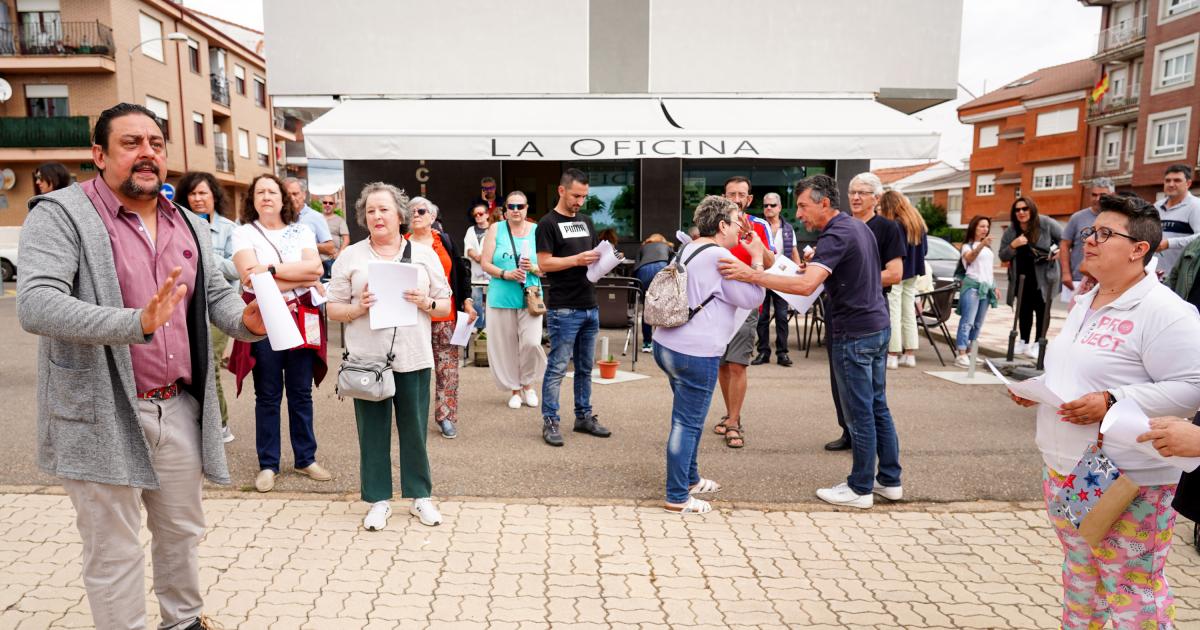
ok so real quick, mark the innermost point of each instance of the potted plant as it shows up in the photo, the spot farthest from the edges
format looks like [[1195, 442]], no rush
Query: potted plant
[[608, 369]]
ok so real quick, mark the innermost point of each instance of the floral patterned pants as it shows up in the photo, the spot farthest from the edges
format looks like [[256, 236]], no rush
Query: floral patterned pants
[[445, 371], [1121, 578]]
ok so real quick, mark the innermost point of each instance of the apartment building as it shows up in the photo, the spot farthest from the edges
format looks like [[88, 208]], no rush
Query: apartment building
[[1030, 138], [68, 60], [1148, 117]]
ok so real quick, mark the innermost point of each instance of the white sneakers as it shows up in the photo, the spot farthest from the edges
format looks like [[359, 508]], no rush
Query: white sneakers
[[514, 402], [891, 494], [1031, 350], [531, 398], [963, 361], [841, 494], [423, 509], [908, 360], [893, 362], [226, 434], [377, 516], [265, 481]]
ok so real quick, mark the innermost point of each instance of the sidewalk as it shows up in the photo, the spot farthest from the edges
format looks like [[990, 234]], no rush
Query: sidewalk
[[993, 339], [301, 563]]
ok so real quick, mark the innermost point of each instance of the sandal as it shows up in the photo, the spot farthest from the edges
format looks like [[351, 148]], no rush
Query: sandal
[[719, 429], [734, 436], [704, 486], [693, 506]]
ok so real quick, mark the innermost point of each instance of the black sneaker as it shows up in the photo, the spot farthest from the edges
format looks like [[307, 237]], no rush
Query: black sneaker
[[550, 432], [592, 426], [763, 357], [783, 359]]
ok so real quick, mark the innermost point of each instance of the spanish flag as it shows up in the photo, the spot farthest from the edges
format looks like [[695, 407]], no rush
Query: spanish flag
[[1101, 87]]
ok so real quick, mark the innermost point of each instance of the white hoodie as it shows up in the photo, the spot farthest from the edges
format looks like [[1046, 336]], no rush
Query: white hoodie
[[1145, 345]]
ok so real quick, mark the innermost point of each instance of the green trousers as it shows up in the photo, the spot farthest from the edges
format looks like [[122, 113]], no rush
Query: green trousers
[[411, 407], [219, 341]]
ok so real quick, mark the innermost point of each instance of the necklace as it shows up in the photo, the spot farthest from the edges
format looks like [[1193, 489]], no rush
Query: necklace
[[371, 245]]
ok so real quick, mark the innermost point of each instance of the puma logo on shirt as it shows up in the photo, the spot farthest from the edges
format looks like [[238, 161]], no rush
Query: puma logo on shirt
[[574, 229]]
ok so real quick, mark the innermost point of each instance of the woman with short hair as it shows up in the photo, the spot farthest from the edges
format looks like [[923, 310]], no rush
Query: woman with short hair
[[50, 176], [383, 210], [1029, 246], [902, 298]]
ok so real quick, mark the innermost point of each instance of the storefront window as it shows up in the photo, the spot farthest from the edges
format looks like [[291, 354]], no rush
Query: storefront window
[[707, 177], [612, 196]]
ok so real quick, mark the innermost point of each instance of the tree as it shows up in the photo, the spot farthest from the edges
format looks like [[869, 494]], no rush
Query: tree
[[935, 220]]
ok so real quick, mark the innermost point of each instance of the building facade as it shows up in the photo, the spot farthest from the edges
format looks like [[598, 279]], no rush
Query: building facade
[[1030, 138], [636, 92], [68, 60], [1149, 116]]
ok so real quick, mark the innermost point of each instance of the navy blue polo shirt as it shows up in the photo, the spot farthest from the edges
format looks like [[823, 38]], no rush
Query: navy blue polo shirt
[[847, 249]]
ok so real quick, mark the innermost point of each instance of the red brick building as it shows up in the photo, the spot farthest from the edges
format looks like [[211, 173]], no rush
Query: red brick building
[[1030, 138], [1148, 119]]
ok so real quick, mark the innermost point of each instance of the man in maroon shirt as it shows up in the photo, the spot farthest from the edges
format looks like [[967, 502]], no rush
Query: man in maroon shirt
[[121, 284]]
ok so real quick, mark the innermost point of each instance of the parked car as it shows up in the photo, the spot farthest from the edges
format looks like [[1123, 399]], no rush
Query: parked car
[[942, 259], [8, 264]]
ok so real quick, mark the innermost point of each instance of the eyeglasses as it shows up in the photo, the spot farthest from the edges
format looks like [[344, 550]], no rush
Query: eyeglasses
[[326, 203], [421, 211], [516, 206], [862, 193], [1021, 209], [480, 214], [1103, 234]]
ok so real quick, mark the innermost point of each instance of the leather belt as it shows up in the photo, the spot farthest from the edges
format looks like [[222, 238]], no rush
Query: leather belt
[[161, 393]]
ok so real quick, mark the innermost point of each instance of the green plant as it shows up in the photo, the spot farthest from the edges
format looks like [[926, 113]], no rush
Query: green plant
[[935, 220], [610, 358]]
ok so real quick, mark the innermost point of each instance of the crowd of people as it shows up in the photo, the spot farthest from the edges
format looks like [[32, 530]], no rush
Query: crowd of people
[[138, 297]]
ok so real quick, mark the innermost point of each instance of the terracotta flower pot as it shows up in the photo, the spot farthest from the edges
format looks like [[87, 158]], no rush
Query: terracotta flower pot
[[608, 369]]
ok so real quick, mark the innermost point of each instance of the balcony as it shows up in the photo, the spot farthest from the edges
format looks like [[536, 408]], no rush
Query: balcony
[[224, 158], [1118, 168], [1127, 39], [1113, 109], [39, 133], [62, 46], [220, 89]]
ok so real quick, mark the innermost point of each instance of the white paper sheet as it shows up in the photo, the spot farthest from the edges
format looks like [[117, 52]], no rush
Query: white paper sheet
[[607, 261], [996, 371], [462, 330], [800, 303], [1066, 295], [682, 237], [807, 251], [317, 298], [389, 281], [1122, 425], [281, 327], [1037, 390]]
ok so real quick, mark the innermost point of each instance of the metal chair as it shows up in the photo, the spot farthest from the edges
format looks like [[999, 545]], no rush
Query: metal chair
[[619, 299], [933, 309]]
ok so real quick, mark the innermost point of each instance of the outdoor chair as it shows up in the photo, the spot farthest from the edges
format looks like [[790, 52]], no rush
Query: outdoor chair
[[933, 309], [817, 325], [619, 299]]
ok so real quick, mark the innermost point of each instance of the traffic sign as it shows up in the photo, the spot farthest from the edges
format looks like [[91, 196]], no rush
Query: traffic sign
[[168, 191]]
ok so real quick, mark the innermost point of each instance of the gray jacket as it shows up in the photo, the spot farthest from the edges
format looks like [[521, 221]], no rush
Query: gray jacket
[[68, 294], [1048, 273]]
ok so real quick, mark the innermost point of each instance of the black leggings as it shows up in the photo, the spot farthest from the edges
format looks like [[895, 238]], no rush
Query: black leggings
[[1032, 304]]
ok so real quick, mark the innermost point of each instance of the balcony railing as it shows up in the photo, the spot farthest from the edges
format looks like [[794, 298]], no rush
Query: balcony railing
[[61, 132], [220, 89], [1122, 35], [1106, 166], [57, 38], [1114, 104], [224, 159]]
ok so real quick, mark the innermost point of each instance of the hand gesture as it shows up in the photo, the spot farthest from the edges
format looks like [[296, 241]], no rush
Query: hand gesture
[[252, 318], [754, 244], [584, 259], [1088, 409], [734, 269], [987, 240], [1020, 241], [1173, 437], [1024, 402], [162, 305]]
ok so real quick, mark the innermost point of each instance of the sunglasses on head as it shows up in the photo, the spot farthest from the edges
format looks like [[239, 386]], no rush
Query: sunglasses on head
[[516, 206]]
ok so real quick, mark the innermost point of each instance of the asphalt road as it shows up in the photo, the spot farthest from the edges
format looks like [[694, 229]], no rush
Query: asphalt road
[[958, 443]]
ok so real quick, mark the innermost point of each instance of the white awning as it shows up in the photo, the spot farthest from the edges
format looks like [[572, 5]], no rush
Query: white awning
[[616, 128]]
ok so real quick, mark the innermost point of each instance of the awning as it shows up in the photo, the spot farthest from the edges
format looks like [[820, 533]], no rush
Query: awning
[[616, 128]]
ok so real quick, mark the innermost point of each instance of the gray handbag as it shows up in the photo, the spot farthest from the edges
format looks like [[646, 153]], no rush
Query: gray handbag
[[369, 379]]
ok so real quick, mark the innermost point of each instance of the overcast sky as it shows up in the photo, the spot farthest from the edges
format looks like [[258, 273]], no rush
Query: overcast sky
[[1002, 40]]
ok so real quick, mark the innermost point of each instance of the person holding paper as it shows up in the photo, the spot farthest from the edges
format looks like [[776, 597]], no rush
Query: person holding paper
[[566, 243], [383, 210], [445, 354], [1027, 244], [120, 285], [515, 355], [690, 354], [978, 290], [1130, 337], [783, 241], [272, 240], [1178, 437]]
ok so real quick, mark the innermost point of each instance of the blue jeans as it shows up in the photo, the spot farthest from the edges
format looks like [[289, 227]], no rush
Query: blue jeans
[[974, 309], [645, 275], [480, 306], [273, 373], [859, 368], [572, 332], [692, 380]]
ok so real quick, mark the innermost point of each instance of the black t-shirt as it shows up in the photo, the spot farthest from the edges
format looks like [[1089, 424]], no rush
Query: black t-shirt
[[563, 236], [890, 240]]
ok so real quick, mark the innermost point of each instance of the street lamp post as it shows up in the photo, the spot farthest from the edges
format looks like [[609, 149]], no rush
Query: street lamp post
[[173, 37]]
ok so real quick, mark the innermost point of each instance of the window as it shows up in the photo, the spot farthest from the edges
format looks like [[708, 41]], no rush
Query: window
[[1178, 63], [1053, 177], [239, 79], [264, 151], [985, 185], [954, 206], [243, 137], [704, 177], [46, 101], [194, 56], [1168, 135], [151, 33], [198, 127], [1058, 121], [1117, 81], [1135, 78], [612, 200], [260, 92], [162, 110], [989, 136], [1110, 148], [41, 27], [1176, 8]]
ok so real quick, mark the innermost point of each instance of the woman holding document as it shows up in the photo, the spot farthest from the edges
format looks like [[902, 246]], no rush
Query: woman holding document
[[271, 240], [383, 210], [445, 354], [1131, 338], [515, 355]]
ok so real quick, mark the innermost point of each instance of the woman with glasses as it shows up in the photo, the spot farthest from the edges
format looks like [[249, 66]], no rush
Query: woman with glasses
[[445, 354], [515, 354], [473, 246], [1131, 339], [1029, 245], [50, 176]]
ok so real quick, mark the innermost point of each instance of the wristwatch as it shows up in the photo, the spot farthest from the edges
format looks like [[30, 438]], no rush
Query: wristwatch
[[432, 305], [1109, 400], [271, 270]]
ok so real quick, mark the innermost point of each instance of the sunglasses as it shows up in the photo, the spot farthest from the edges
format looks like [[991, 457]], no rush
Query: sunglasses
[[488, 188], [770, 205], [480, 214], [422, 211], [516, 206], [326, 203], [1024, 209]]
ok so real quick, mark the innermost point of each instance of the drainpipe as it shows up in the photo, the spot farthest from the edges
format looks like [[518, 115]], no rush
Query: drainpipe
[[183, 118]]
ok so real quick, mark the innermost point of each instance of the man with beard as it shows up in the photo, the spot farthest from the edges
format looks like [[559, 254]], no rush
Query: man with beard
[[121, 284]]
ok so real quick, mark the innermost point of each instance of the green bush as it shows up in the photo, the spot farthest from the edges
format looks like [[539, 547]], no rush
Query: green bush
[[935, 220]]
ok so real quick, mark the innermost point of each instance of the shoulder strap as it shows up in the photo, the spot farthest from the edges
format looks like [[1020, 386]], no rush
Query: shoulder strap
[[405, 257], [264, 235], [698, 250], [692, 311], [512, 241]]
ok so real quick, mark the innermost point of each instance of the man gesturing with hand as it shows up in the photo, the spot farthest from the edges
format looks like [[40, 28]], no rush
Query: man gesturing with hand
[[120, 285]]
